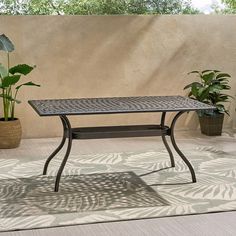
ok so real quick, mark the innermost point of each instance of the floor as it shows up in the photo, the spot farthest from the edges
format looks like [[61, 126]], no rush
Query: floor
[[217, 224], [208, 224]]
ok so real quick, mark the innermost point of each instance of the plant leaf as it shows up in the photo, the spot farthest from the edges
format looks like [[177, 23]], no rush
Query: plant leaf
[[215, 88], [223, 98], [221, 75], [10, 80], [205, 94], [221, 81], [21, 69], [194, 91], [227, 95], [3, 71], [204, 71], [208, 77], [221, 108], [194, 72], [197, 84], [28, 84], [6, 44]]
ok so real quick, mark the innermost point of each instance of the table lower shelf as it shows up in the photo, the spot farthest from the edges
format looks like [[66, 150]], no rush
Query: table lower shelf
[[119, 131]]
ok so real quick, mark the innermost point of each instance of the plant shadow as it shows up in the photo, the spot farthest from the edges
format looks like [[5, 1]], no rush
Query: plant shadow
[[78, 193]]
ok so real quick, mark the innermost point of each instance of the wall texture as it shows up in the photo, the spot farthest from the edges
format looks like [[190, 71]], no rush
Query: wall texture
[[100, 56]]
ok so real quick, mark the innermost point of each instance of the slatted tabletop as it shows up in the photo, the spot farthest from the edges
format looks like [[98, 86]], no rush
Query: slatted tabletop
[[109, 105]]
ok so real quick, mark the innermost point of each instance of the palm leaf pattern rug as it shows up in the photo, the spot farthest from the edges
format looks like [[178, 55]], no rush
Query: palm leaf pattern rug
[[103, 187]]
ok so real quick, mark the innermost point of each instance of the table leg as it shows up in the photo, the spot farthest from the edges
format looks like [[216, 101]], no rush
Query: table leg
[[177, 148], [163, 135], [69, 135], [58, 148]]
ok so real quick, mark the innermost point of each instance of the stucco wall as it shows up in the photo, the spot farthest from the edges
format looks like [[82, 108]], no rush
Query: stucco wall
[[100, 56]]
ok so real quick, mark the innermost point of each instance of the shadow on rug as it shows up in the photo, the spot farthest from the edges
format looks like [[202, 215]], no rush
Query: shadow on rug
[[34, 196]]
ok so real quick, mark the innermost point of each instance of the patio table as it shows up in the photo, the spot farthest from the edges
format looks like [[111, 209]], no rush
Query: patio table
[[115, 105]]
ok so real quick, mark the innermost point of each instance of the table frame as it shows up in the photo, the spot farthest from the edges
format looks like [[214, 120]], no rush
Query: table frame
[[117, 105], [162, 130]]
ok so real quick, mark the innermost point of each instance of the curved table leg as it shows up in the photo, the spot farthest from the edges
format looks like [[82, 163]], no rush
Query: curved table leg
[[58, 148], [177, 149], [165, 141], [58, 177]]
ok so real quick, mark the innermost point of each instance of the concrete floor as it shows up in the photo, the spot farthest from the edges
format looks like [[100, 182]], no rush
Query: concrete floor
[[208, 224]]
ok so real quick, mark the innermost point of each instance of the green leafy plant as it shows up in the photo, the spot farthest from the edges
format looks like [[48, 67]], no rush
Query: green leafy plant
[[9, 76], [210, 89]]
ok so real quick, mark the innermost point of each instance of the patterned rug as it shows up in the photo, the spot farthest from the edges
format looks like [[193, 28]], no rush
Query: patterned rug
[[107, 187]]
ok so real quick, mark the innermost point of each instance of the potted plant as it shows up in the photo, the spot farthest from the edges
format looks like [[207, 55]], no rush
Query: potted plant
[[210, 88], [10, 127]]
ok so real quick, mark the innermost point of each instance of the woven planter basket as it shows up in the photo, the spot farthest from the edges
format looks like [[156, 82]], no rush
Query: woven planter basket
[[10, 133], [211, 125]]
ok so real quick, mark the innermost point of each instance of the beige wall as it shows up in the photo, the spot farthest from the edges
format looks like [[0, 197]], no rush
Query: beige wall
[[99, 56]]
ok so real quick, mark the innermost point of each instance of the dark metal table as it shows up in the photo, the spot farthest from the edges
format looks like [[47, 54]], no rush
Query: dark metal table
[[113, 105]]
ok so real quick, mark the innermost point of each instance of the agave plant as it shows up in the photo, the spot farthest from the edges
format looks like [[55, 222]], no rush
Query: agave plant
[[9, 77], [210, 89]]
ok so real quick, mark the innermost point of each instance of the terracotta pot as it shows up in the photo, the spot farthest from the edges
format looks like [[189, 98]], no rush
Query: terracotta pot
[[211, 125], [10, 133]]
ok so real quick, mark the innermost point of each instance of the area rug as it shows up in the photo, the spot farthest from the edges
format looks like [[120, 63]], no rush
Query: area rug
[[105, 187]]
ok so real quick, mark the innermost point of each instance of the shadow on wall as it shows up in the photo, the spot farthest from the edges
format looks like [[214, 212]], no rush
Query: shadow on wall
[[88, 50], [165, 73]]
